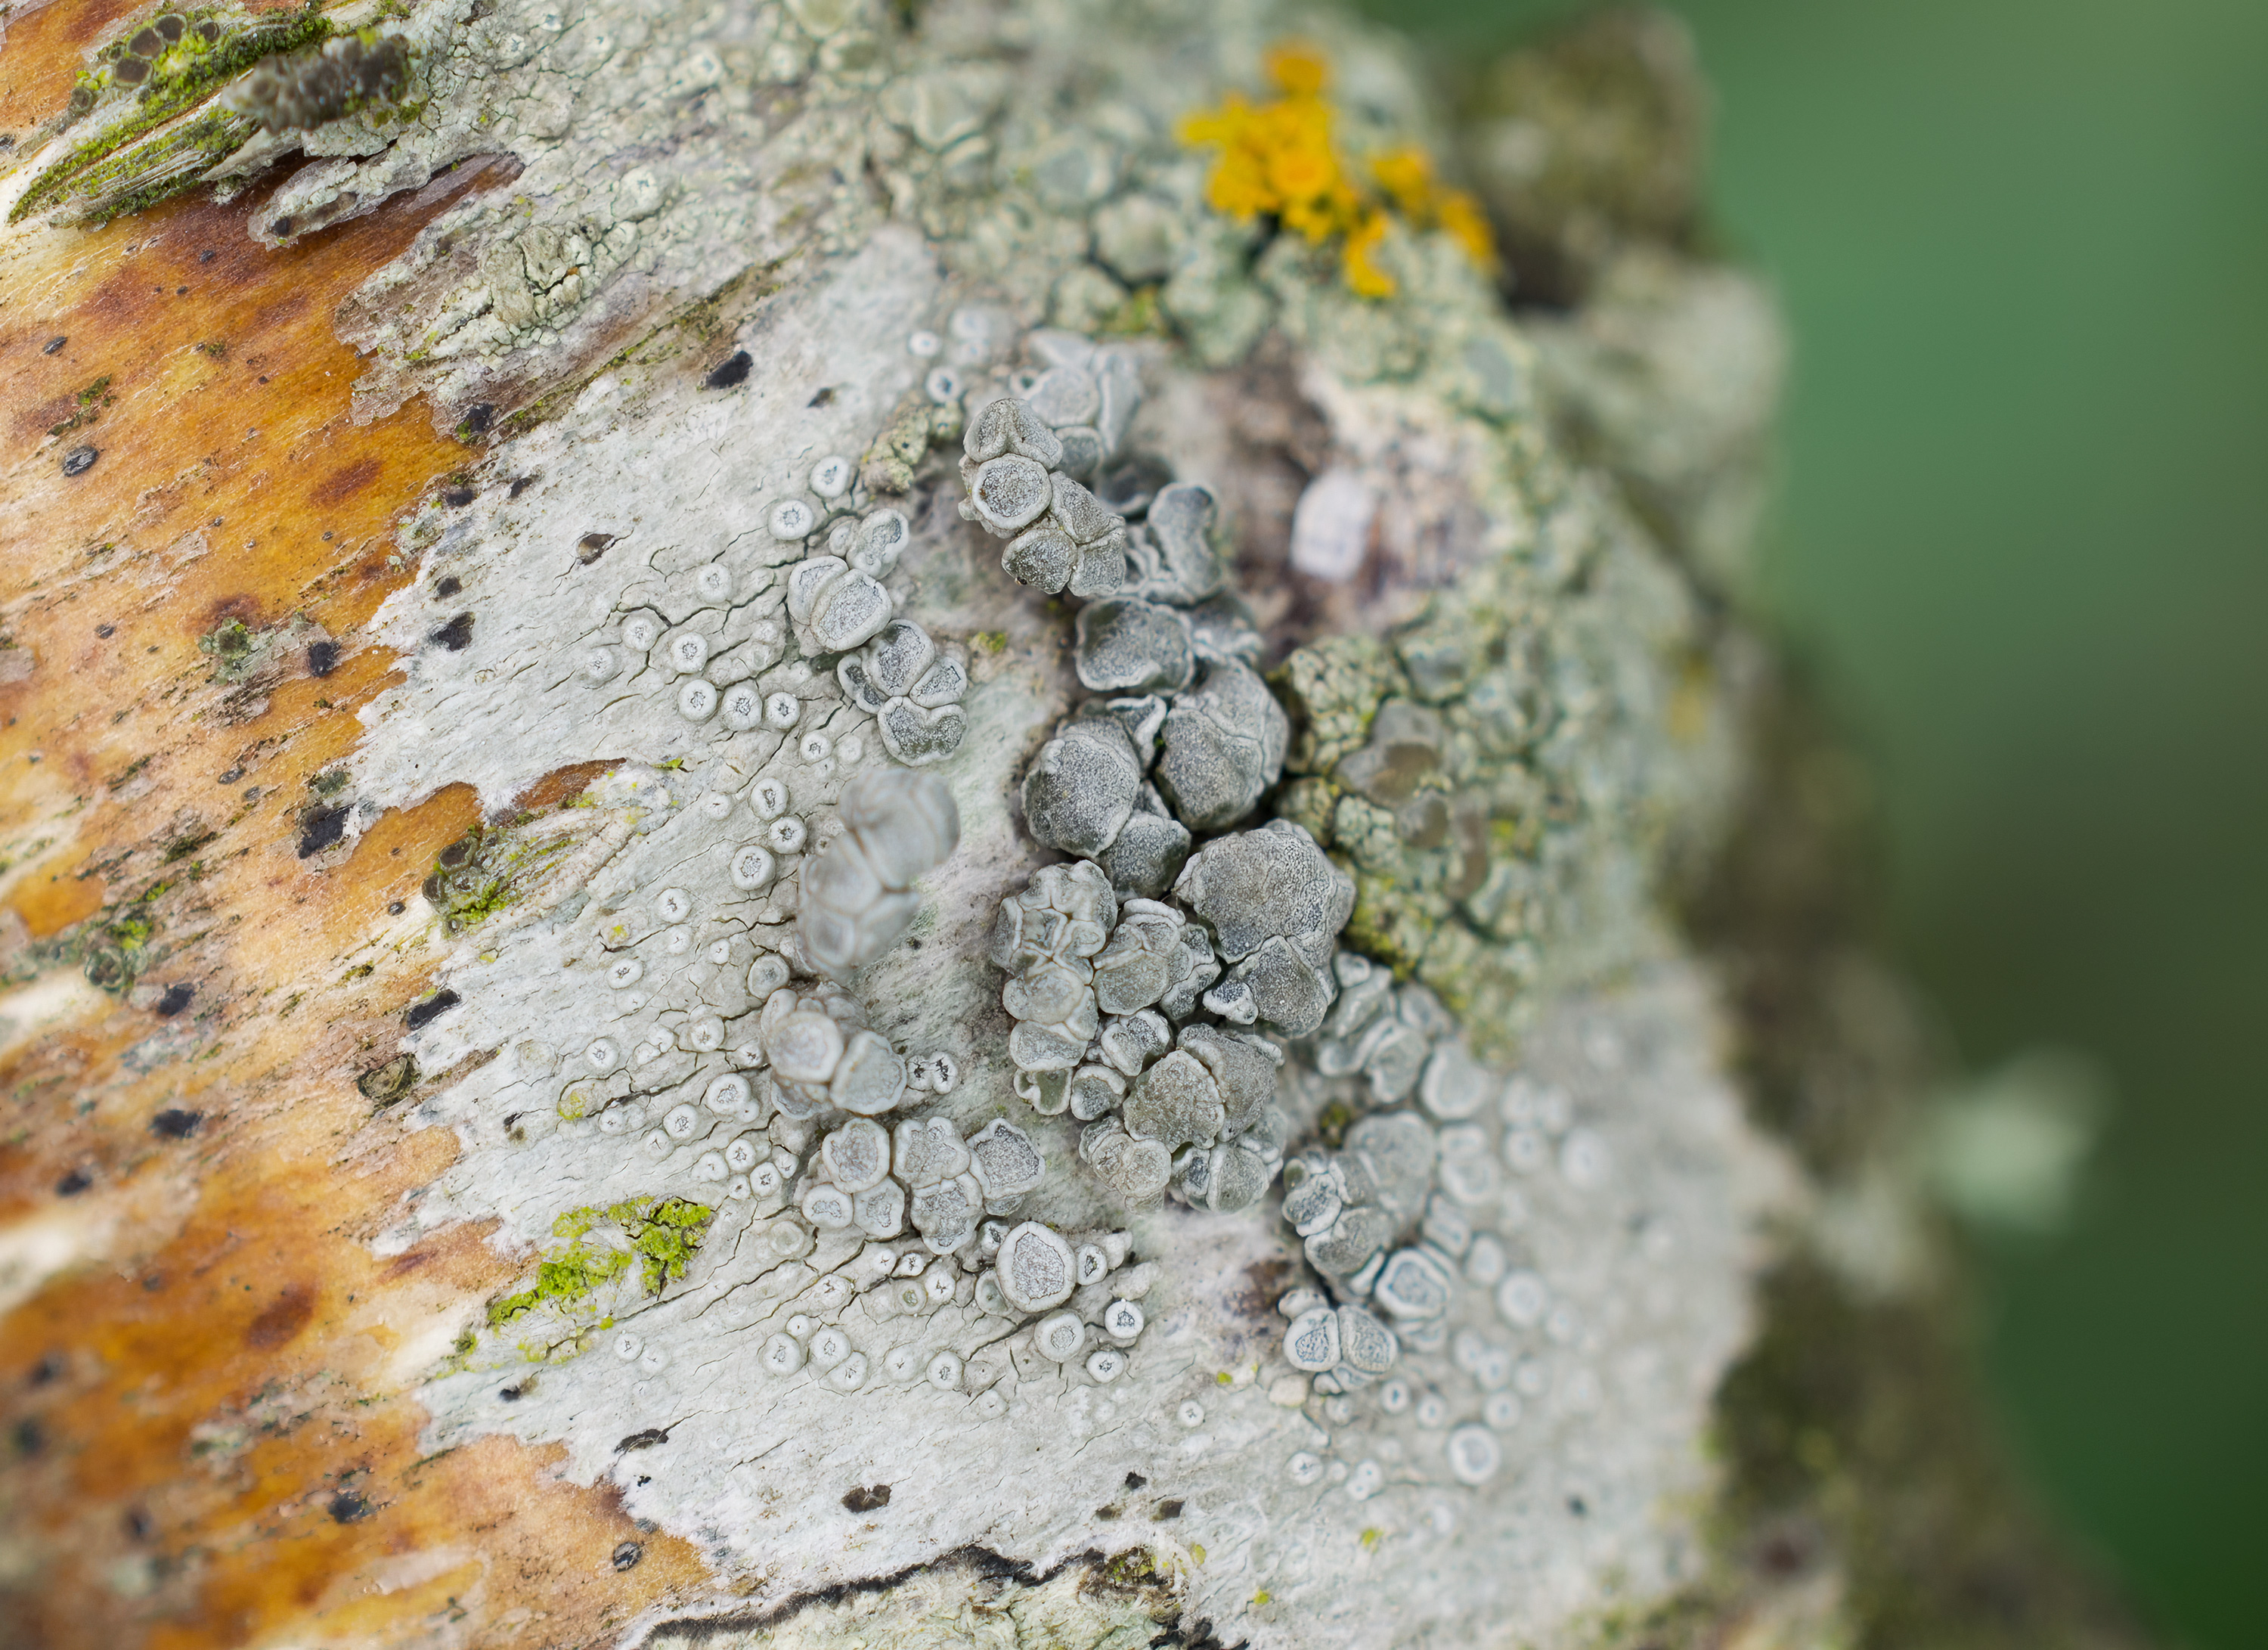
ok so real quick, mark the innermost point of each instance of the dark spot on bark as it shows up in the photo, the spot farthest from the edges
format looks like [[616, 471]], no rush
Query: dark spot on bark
[[347, 1508], [592, 546], [30, 1437], [387, 1084], [1106, 1514], [519, 485], [514, 1393], [54, 344], [231, 776], [481, 416], [106, 632], [1265, 1281], [345, 482], [867, 1499], [180, 292], [322, 658], [457, 634], [207, 255], [627, 1554], [730, 371], [280, 228], [449, 586], [138, 1527], [1578, 1505], [46, 1371], [182, 846], [646, 1439], [395, 907], [422, 1014], [1166, 1510], [281, 1320], [175, 999], [1136, 1481], [1783, 1554], [175, 1125], [323, 828], [73, 1183], [456, 498], [824, 398], [79, 461]]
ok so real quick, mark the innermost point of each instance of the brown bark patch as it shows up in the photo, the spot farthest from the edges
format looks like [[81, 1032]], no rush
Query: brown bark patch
[[562, 785], [344, 483], [44, 54], [279, 1322]]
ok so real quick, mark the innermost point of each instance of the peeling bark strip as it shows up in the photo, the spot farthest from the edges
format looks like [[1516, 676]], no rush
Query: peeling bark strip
[[649, 1085]]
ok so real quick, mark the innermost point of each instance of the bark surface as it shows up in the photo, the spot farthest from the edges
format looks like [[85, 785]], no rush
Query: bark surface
[[432, 1211]]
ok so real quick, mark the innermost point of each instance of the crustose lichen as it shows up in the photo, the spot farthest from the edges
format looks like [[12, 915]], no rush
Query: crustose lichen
[[661, 1236], [1278, 160]]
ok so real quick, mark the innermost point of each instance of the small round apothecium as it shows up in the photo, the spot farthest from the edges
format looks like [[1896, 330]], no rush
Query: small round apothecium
[[792, 518]]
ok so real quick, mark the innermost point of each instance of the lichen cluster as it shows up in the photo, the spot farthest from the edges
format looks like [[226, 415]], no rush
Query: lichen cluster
[[1183, 736], [656, 1236], [1454, 768], [1280, 160], [858, 895], [1250, 964]]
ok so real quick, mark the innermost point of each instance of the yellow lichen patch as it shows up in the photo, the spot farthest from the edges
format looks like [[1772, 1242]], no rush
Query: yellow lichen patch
[[1278, 159]]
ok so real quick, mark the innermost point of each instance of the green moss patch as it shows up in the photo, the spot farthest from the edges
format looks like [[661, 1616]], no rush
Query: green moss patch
[[208, 56]]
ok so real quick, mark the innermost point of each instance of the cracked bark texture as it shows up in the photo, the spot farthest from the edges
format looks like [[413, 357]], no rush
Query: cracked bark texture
[[328, 474]]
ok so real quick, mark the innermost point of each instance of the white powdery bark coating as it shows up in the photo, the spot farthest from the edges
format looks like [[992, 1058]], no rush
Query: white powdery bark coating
[[1352, 1513]]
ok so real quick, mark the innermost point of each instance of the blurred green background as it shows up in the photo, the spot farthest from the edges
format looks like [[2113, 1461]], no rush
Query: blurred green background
[[2023, 246]]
